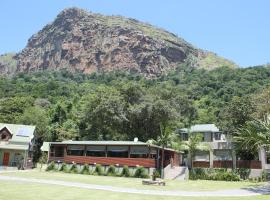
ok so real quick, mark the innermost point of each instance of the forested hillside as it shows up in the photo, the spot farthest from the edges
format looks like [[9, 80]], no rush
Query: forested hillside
[[114, 106]]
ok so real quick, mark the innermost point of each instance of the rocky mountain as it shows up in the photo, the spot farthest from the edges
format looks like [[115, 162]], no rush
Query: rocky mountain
[[82, 41]]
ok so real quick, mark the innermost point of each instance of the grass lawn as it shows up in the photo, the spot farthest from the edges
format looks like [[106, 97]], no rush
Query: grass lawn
[[134, 182], [29, 191]]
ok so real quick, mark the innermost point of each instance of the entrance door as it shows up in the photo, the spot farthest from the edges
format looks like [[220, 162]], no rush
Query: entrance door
[[6, 158]]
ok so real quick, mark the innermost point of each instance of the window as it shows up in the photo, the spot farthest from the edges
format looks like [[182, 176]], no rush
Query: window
[[217, 136], [184, 136], [3, 136], [139, 151], [75, 150], [96, 151], [117, 151], [57, 151]]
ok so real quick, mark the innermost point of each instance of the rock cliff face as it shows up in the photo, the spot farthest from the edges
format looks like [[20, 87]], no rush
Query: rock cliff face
[[82, 41]]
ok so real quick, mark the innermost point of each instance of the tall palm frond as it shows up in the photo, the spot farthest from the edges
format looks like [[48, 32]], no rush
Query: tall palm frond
[[254, 134]]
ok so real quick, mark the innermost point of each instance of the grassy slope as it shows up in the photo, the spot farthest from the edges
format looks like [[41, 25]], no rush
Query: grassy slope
[[136, 183]]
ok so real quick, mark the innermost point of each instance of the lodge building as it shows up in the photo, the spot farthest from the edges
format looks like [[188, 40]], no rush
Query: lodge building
[[130, 153]]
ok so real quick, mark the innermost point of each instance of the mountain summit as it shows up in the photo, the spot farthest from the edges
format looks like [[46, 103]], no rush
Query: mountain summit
[[78, 40]]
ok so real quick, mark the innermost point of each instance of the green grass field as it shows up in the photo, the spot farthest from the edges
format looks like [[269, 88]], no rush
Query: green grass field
[[135, 182], [30, 191]]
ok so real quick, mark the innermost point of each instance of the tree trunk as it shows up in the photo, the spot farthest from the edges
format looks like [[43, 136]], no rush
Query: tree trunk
[[162, 163]]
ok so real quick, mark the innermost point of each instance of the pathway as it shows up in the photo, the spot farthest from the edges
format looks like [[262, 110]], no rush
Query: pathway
[[224, 193]]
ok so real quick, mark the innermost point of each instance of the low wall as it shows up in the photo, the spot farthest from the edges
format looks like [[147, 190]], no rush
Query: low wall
[[133, 162], [201, 164], [250, 164], [223, 164]]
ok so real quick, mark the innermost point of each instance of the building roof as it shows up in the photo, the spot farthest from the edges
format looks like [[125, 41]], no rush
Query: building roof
[[45, 146], [201, 128], [116, 143], [101, 142], [21, 135], [14, 146]]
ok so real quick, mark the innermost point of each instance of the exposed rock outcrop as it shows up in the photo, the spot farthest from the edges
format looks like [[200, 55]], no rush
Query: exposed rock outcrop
[[82, 41]]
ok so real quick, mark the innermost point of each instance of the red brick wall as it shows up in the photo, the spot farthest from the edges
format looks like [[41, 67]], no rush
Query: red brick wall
[[145, 162], [203, 164], [223, 164], [252, 164]]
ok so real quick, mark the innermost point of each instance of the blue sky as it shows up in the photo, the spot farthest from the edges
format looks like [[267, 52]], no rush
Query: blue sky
[[235, 29]]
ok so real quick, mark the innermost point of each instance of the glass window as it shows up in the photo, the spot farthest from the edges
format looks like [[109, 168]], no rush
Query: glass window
[[96, 153], [59, 151], [217, 136], [184, 136], [117, 151], [118, 154], [139, 151], [75, 150]]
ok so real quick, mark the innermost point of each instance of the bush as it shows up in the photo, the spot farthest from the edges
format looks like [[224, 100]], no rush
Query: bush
[[155, 175], [73, 169], [125, 171], [141, 173], [243, 173], [111, 171], [98, 170], [213, 174], [85, 169], [264, 175], [63, 168], [51, 166]]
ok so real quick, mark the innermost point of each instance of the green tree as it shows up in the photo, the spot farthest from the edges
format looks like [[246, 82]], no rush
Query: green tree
[[254, 134], [194, 144], [237, 113]]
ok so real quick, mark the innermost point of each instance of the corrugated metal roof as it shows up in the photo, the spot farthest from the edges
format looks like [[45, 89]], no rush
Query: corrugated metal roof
[[109, 143], [21, 136], [15, 147], [201, 128], [20, 133], [45, 146], [101, 142]]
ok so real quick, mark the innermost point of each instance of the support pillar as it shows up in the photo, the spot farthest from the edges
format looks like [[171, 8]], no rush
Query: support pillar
[[234, 159], [262, 156], [211, 158]]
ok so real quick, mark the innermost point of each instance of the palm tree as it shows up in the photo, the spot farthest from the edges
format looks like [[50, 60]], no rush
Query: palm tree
[[193, 144], [165, 139], [254, 134]]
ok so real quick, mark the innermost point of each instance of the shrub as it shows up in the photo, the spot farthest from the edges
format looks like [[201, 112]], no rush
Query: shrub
[[98, 170], [264, 175], [51, 166], [141, 173], [73, 169], [155, 175], [243, 173], [85, 169], [125, 171], [111, 171], [63, 168], [213, 174]]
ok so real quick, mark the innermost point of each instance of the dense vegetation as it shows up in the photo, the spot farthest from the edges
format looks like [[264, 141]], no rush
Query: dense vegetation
[[113, 106]]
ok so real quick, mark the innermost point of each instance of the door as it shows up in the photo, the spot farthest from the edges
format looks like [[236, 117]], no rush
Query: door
[[6, 158]]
